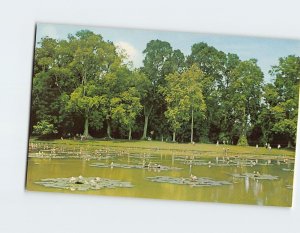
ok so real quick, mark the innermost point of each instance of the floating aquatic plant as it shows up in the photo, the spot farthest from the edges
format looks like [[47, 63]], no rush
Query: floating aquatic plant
[[83, 183], [193, 181], [137, 166], [226, 162], [287, 169], [255, 176]]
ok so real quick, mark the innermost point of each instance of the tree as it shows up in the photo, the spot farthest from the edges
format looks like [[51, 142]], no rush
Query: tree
[[85, 100], [284, 107], [52, 81], [44, 128], [184, 98], [216, 67], [160, 60], [177, 110], [126, 108], [93, 59], [246, 91]]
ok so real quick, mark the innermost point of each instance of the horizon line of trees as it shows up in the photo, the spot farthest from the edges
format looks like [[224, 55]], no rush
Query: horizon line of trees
[[84, 85]]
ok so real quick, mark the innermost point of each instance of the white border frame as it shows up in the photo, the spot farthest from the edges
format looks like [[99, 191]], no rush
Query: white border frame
[[34, 212]]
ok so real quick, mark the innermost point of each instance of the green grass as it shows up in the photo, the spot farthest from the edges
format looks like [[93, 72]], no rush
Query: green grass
[[157, 147]]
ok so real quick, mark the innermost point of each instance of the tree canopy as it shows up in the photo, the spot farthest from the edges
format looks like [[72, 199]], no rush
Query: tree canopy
[[83, 85]]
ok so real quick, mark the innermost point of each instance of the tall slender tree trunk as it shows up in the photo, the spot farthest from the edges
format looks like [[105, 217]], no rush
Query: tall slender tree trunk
[[108, 131], [192, 126], [174, 136], [289, 143], [243, 136], [147, 114], [145, 127], [86, 127], [129, 134]]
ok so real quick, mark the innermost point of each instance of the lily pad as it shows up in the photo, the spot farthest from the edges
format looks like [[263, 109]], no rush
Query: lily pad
[[83, 183], [287, 169], [255, 176], [136, 166], [194, 181]]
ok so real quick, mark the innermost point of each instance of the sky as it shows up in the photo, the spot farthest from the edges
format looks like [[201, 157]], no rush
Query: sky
[[266, 50]]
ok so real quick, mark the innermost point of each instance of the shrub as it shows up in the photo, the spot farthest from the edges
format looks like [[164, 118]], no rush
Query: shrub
[[243, 141], [44, 128]]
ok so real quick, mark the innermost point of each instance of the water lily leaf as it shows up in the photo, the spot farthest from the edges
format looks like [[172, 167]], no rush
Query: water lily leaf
[[83, 183], [287, 169], [255, 176], [136, 166], [194, 181]]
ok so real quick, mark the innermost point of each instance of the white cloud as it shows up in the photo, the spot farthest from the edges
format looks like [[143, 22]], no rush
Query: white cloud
[[132, 53]]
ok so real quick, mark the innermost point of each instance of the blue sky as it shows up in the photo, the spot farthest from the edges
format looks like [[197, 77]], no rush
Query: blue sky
[[265, 50]]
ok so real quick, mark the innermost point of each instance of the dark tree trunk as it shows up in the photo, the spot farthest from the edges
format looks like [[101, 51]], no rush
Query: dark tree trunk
[[289, 144], [86, 127], [108, 131], [147, 114]]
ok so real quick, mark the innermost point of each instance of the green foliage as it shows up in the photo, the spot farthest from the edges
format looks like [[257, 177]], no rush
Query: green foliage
[[183, 95], [243, 141], [83, 84], [280, 110], [44, 128], [160, 61]]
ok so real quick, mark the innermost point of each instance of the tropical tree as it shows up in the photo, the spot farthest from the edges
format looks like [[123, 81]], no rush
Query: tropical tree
[[184, 98], [160, 60], [246, 91], [126, 108], [93, 59], [284, 107]]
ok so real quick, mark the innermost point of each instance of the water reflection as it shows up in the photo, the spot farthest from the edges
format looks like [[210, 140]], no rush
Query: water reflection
[[247, 183]]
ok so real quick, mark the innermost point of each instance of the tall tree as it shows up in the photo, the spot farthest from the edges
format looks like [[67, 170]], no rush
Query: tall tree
[[160, 60], [126, 108], [184, 98], [246, 92], [93, 59], [216, 67], [285, 107]]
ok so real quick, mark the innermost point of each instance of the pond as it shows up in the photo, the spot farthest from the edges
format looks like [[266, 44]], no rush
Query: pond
[[174, 177]]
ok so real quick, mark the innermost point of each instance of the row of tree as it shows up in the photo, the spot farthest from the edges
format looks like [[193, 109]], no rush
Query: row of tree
[[83, 85]]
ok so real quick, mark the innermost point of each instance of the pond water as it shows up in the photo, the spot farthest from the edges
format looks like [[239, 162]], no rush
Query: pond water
[[217, 179]]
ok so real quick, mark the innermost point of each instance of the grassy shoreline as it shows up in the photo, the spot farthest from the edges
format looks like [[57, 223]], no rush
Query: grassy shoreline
[[165, 148]]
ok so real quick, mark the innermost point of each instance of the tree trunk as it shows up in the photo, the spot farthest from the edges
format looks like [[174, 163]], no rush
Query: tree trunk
[[145, 127], [289, 144], [108, 129], [174, 134], [147, 114], [192, 126], [129, 134], [86, 127]]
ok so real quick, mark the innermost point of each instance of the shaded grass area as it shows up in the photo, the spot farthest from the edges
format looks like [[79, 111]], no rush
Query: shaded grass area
[[166, 148]]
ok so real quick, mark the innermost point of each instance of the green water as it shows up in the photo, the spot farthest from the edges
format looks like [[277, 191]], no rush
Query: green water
[[241, 191]]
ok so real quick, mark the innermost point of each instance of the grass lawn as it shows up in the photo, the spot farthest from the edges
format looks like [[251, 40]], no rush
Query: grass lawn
[[166, 148]]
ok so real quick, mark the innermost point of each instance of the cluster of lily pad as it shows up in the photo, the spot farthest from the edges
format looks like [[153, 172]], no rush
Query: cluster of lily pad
[[136, 166], [77, 153], [255, 176], [231, 161], [83, 183], [193, 181], [287, 169]]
